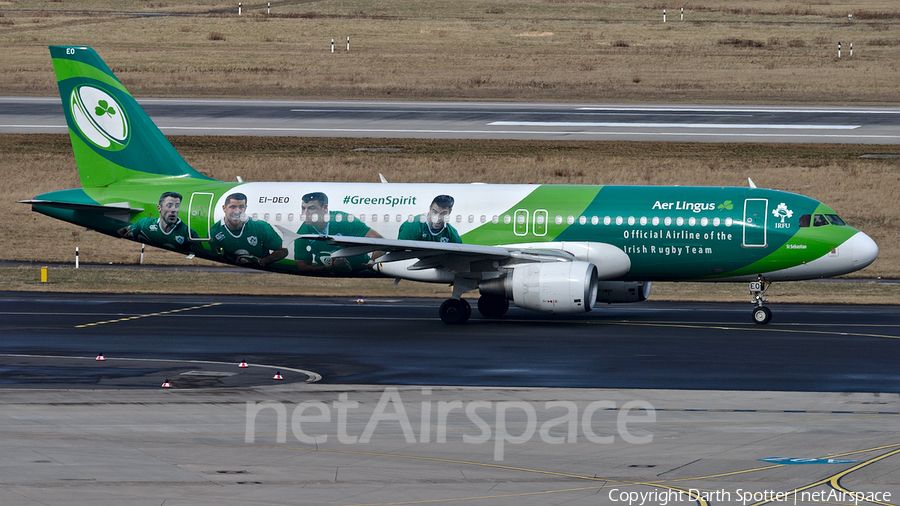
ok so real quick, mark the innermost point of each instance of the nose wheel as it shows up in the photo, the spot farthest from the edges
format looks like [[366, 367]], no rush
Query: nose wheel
[[761, 314]]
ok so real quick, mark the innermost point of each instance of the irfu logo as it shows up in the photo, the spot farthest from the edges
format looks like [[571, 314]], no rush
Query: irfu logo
[[782, 212]]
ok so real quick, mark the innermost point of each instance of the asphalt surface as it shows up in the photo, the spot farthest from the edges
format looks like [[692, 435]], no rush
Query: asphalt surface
[[488, 120], [374, 406], [695, 346]]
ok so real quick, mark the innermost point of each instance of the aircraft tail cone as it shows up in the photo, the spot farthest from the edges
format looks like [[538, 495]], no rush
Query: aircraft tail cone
[[100, 357], [277, 376], [243, 365], [166, 384]]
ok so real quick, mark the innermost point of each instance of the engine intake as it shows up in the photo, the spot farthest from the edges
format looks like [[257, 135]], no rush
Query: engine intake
[[550, 287]]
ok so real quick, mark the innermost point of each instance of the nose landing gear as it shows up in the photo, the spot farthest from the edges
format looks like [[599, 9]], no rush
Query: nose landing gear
[[758, 289]]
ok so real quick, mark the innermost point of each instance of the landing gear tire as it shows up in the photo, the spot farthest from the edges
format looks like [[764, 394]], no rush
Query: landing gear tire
[[762, 315], [455, 311], [758, 289], [492, 306]]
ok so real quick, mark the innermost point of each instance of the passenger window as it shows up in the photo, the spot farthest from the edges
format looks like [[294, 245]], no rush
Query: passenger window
[[805, 220], [819, 220], [835, 220]]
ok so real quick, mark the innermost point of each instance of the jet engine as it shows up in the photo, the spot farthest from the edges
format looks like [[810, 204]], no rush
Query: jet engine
[[550, 287], [623, 291]]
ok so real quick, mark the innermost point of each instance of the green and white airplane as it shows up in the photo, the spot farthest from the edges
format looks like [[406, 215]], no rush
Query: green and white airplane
[[550, 248]]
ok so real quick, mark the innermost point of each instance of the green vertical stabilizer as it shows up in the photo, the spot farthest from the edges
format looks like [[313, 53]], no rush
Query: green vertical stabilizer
[[113, 138]]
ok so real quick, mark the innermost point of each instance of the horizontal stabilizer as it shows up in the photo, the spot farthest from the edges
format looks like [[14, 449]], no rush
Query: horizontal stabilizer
[[117, 207]]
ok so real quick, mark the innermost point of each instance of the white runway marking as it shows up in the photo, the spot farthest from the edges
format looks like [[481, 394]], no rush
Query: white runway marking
[[726, 126], [530, 132], [462, 132], [741, 110]]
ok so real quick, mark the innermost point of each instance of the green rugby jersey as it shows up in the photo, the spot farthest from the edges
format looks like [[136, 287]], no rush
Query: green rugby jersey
[[255, 238], [319, 252], [148, 231], [418, 231]]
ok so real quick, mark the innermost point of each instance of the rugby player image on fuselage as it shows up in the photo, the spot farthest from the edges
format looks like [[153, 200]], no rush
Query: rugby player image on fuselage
[[432, 226], [243, 241], [315, 256], [168, 231]]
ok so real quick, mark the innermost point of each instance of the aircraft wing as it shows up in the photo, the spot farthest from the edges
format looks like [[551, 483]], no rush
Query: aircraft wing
[[458, 257]]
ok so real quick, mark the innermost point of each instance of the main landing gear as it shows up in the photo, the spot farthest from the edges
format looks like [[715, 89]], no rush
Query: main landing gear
[[458, 311], [758, 289], [455, 311], [492, 306]]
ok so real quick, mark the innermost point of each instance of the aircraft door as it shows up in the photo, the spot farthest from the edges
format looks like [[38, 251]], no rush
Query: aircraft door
[[200, 214], [540, 222], [520, 225], [755, 221]]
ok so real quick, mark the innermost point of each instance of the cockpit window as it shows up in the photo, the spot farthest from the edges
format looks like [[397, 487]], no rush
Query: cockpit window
[[835, 220], [819, 220], [805, 219]]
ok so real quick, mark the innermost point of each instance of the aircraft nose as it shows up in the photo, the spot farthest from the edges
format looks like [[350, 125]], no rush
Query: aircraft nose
[[864, 249]]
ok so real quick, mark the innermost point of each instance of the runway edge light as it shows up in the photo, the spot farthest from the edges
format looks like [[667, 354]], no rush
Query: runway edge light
[[277, 376], [166, 384], [100, 357], [243, 365]]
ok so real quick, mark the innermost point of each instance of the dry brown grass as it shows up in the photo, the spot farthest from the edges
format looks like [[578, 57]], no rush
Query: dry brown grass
[[861, 190], [466, 49]]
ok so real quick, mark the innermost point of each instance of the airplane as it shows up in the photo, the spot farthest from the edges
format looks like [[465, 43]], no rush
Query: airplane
[[550, 248]]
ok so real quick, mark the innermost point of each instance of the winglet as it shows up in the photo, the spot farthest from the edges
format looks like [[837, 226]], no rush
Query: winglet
[[380, 176], [752, 184]]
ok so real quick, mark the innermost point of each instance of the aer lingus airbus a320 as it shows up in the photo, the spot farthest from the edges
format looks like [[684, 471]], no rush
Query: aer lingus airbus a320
[[550, 248]]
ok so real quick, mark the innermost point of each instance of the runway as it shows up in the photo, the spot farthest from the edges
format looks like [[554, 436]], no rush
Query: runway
[[382, 404], [694, 346], [489, 120]]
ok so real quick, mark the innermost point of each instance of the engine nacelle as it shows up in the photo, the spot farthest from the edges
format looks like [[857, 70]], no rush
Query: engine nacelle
[[550, 287], [623, 291]]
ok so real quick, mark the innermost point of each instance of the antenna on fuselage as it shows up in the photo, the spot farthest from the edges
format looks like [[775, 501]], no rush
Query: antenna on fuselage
[[752, 184]]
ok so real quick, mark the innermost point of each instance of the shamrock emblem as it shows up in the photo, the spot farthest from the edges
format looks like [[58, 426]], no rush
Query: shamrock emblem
[[104, 108], [726, 205]]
